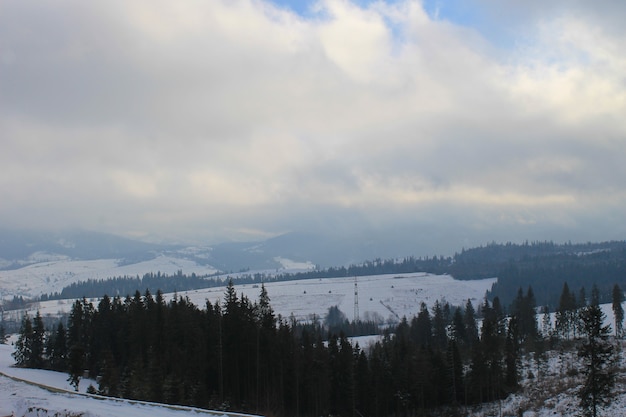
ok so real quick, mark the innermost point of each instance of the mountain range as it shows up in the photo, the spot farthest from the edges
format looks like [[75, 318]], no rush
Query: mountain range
[[19, 248]]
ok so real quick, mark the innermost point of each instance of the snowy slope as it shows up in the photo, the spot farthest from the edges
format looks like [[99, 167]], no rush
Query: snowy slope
[[50, 276], [388, 297]]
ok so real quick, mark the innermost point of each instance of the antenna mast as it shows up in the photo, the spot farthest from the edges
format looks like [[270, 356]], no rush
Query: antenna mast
[[356, 300]]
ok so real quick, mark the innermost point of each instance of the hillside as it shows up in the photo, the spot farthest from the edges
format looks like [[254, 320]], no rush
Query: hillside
[[384, 297]]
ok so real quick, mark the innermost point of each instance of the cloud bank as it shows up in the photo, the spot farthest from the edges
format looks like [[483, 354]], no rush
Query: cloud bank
[[240, 119]]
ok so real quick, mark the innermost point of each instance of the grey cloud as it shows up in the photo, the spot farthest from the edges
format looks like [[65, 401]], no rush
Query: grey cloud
[[110, 120]]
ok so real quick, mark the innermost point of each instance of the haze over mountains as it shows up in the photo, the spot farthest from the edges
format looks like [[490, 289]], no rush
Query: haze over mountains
[[19, 248]]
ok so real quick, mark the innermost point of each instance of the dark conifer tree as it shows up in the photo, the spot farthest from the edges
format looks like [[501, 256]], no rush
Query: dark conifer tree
[[471, 328], [3, 334], [57, 349], [24, 344], [565, 320], [618, 310], [597, 353], [512, 348], [439, 326], [421, 327], [455, 369], [546, 323], [79, 336], [458, 333], [491, 345], [38, 342]]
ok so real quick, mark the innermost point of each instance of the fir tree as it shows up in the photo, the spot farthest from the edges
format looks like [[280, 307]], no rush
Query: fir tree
[[512, 348], [565, 314], [471, 328], [421, 327], [546, 323], [38, 342], [618, 310], [439, 324], [24, 344], [3, 335], [597, 355], [57, 349], [458, 328]]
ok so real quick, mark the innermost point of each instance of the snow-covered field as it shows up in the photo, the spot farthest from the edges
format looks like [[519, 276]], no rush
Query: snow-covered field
[[384, 297]]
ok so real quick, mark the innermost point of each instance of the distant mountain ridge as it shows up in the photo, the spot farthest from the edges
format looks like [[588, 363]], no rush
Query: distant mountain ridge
[[17, 246], [50, 257]]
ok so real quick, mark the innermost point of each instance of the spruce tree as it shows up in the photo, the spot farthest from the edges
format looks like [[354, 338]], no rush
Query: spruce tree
[[24, 345], [38, 342], [57, 351], [458, 328], [3, 335], [597, 354], [546, 323], [439, 327], [512, 348], [618, 310], [471, 328], [565, 320], [421, 327]]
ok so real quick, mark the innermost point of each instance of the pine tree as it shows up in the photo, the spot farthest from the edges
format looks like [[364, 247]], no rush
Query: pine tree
[[618, 310], [597, 355]]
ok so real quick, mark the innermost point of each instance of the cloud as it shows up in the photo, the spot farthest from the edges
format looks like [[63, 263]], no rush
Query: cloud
[[228, 119]]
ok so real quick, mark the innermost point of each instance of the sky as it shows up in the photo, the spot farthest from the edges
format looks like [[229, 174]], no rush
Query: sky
[[236, 120]]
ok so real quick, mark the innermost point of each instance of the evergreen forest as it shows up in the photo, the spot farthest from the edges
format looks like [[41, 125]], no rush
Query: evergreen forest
[[236, 355]]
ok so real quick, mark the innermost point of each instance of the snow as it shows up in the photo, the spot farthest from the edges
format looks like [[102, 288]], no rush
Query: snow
[[383, 297], [555, 393], [53, 273], [390, 296], [19, 398], [290, 264]]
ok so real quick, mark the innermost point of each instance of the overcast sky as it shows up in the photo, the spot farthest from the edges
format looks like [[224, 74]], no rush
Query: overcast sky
[[245, 119]]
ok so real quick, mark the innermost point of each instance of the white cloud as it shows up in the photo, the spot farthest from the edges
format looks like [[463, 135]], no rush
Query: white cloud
[[229, 116]]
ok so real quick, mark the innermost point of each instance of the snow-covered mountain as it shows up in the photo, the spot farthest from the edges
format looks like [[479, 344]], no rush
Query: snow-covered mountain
[[33, 263]]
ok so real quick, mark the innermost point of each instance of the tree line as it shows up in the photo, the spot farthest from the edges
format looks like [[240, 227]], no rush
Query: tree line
[[238, 355]]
